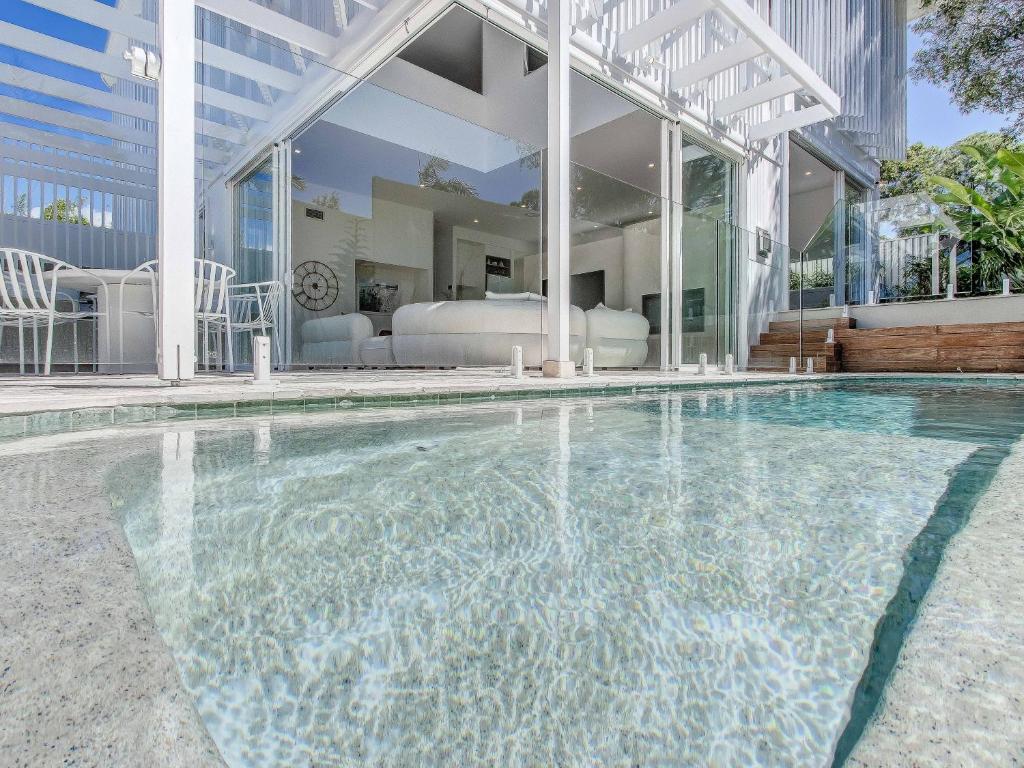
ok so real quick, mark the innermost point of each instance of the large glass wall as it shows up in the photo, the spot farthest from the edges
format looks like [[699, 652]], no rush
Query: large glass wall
[[617, 220], [708, 256], [406, 223], [415, 217]]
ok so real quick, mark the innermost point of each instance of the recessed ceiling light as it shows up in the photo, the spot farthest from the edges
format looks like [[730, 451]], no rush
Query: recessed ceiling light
[[579, 189], [650, 165], [298, 151], [650, 213], [476, 221], [808, 173]]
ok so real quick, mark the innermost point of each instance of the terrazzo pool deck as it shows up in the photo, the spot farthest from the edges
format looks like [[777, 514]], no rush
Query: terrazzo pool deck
[[956, 695], [85, 678], [20, 395]]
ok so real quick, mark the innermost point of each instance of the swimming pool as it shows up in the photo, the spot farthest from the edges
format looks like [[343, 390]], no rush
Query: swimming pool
[[705, 578]]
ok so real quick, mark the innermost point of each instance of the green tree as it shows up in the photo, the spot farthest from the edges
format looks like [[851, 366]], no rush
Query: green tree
[[62, 210], [975, 48], [990, 215], [923, 163]]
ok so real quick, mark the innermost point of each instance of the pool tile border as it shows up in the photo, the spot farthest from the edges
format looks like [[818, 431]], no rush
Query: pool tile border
[[40, 423]]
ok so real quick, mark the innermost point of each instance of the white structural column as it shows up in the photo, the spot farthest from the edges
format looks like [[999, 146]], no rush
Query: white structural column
[[676, 256], [559, 359], [176, 190], [667, 201]]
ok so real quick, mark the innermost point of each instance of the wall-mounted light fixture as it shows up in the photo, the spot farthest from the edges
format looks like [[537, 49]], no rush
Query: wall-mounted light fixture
[[144, 64], [764, 243]]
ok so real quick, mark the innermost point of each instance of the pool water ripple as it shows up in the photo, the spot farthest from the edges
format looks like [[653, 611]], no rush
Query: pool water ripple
[[683, 579]]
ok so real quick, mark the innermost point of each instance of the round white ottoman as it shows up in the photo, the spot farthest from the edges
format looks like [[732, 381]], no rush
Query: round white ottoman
[[376, 350]]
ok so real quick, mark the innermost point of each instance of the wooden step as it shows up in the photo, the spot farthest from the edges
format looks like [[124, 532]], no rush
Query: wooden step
[[792, 326]]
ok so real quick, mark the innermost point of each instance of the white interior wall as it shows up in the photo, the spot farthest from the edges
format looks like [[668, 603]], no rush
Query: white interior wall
[[397, 235]]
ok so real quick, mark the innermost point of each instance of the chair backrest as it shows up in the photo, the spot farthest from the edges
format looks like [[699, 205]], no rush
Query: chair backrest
[[28, 281], [256, 304], [212, 282]]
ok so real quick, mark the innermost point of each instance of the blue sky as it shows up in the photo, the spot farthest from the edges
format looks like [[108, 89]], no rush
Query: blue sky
[[933, 118]]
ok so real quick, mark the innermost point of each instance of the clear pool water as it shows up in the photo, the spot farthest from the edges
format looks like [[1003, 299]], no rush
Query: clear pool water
[[688, 579]]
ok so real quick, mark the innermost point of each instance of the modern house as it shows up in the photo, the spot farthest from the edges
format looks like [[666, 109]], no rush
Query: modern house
[[429, 182]]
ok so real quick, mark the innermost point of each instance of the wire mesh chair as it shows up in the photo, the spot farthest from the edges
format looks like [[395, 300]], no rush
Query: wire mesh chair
[[255, 308], [29, 291], [213, 308]]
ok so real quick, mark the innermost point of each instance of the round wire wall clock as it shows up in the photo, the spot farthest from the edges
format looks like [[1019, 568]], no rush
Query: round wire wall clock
[[314, 285]]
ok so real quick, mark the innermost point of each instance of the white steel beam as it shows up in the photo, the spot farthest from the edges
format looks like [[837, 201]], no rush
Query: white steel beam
[[212, 55], [65, 89], [177, 203], [661, 23], [558, 362], [29, 110], [35, 157], [60, 50], [218, 131], [81, 146], [275, 24], [789, 121], [759, 94], [69, 178], [113, 19], [229, 102], [715, 63], [747, 20]]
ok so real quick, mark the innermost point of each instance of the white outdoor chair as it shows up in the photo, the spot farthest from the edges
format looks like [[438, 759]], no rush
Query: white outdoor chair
[[254, 309], [147, 268], [213, 308], [29, 291]]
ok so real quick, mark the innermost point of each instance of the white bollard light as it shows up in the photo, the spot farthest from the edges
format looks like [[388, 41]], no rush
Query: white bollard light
[[871, 297], [830, 336], [588, 362], [730, 365], [810, 365], [261, 362], [792, 365], [517, 362], [702, 364], [1006, 286], [950, 291], [846, 310]]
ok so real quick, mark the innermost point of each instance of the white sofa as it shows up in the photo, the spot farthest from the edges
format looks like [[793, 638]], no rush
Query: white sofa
[[335, 340], [479, 333], [618, 337]]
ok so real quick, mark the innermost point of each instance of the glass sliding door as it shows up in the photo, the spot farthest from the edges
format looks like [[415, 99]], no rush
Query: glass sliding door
[[618, 214], [707, 322], [416, 210], [254, 226]]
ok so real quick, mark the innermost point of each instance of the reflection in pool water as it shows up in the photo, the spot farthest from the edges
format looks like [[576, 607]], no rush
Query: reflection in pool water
[[678, 579]]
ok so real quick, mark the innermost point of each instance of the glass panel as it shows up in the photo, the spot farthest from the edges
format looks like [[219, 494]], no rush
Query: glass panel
[[617, 210], [413, 194]]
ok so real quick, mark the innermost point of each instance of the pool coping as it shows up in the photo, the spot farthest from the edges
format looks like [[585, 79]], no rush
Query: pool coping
[[183, 404]]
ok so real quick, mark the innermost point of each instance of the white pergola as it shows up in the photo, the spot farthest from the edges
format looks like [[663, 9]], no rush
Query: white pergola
[[234, 75]]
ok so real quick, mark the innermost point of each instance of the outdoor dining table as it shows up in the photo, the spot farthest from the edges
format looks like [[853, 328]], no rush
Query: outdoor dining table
[[139, 334]]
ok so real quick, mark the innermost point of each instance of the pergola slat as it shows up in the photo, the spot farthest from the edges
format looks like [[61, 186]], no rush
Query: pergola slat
[[275, 24]]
